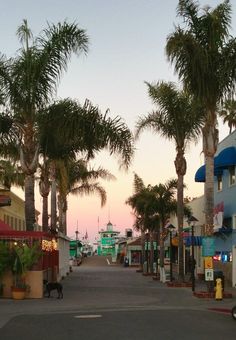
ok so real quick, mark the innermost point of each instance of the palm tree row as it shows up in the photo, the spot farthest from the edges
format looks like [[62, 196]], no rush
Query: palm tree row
[[54, 138], [203, 54]]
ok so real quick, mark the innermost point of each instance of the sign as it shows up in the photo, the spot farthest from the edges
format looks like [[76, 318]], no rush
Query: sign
[[209, 275], [208, 246], [218, 216], [208, 262]]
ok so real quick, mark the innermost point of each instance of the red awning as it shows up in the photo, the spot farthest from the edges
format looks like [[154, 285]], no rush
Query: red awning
[[4, 226]]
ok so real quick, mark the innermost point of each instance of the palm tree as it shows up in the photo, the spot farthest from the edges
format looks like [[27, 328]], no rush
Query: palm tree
[[203, 54], [165, 206], [138, 204], [28, 83], [10, 174], [228, 113], [77, 130], [76, 178], [179, 118]]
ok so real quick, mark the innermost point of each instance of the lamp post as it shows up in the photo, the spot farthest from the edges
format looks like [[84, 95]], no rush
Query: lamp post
[[76, 238], [171, 228], [192, 222]]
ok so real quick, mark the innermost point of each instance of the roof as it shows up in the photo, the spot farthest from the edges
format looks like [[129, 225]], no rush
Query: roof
[[136, 242]]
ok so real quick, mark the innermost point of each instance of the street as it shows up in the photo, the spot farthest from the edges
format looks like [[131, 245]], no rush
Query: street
[[103, 300]]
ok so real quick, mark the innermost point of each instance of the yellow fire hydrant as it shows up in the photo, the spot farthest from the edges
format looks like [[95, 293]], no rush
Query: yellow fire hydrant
[[218, 289]]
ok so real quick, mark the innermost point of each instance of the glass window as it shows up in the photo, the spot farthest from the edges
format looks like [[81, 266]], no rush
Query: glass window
[[219, 183], [232, 179]]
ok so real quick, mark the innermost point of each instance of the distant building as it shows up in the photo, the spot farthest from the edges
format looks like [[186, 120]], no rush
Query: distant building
[[107, 242]]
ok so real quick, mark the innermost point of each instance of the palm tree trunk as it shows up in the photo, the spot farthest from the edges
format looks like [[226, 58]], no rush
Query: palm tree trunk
[[142, 248], [162, 249], [53, 198], [210, 141], [45, 213], [181, 167], [62, 209], [151, 252], [180, 217], [29, 203]]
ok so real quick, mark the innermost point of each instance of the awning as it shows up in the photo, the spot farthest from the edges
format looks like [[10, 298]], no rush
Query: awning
[[197, 241], [226, 158], [223, 160], [200, 175]]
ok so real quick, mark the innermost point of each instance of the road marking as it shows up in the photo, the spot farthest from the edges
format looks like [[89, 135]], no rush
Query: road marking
[[108, 262], [91, 316]]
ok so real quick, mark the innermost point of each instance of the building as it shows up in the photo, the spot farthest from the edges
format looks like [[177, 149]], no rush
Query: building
[[107, 242], [14, 213], [225, 206]]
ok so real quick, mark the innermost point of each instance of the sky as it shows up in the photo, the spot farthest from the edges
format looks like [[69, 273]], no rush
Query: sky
[[127, 47]]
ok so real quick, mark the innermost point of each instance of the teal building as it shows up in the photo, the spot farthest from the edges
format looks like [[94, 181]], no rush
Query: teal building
[[107, 241]]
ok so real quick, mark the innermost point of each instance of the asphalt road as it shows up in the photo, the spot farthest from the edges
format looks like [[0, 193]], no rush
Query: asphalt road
[[106, 301]]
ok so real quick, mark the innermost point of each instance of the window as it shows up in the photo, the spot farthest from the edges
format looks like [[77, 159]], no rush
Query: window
[[234, 222], [16, 225], [232, 179], [219, 182]]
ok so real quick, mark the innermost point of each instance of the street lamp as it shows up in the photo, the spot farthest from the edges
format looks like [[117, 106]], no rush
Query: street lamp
[[171, 228], [76, 238], [192, 222]]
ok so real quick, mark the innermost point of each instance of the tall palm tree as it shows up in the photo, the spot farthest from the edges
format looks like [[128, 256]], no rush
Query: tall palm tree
[[178, 118], [203, 54], [228, 113], [28, 83], [80, 130]]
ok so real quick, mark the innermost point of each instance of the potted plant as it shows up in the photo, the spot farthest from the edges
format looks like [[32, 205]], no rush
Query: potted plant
[[4, 262], [23, 257]]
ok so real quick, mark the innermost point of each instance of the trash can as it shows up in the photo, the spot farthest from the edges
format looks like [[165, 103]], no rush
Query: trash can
[[126, 262], [218, 274]]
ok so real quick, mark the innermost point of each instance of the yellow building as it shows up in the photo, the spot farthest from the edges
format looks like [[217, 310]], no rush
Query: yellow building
[[14, 215]]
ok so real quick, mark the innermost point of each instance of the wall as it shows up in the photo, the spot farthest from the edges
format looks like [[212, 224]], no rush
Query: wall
[[64, 255], [33, 278]]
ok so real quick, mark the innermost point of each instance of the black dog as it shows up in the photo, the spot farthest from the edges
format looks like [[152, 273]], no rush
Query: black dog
[[49, 286]]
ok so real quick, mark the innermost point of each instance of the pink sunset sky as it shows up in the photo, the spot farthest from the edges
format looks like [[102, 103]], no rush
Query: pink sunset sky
[[127, 40]]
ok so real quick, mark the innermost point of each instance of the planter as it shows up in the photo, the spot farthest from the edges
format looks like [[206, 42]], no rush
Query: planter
[[18, 293]]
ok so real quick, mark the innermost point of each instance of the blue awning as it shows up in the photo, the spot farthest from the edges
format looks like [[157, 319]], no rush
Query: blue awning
[[197, 241], [223, 160], [226, 158], [201, 173]]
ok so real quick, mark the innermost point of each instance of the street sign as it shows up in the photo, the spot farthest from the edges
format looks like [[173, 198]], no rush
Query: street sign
[[208, 246], [208, 262], [209, 275]]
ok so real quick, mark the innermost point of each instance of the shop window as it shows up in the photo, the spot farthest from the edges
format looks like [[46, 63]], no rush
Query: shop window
[[219, 183], [232, 178]]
